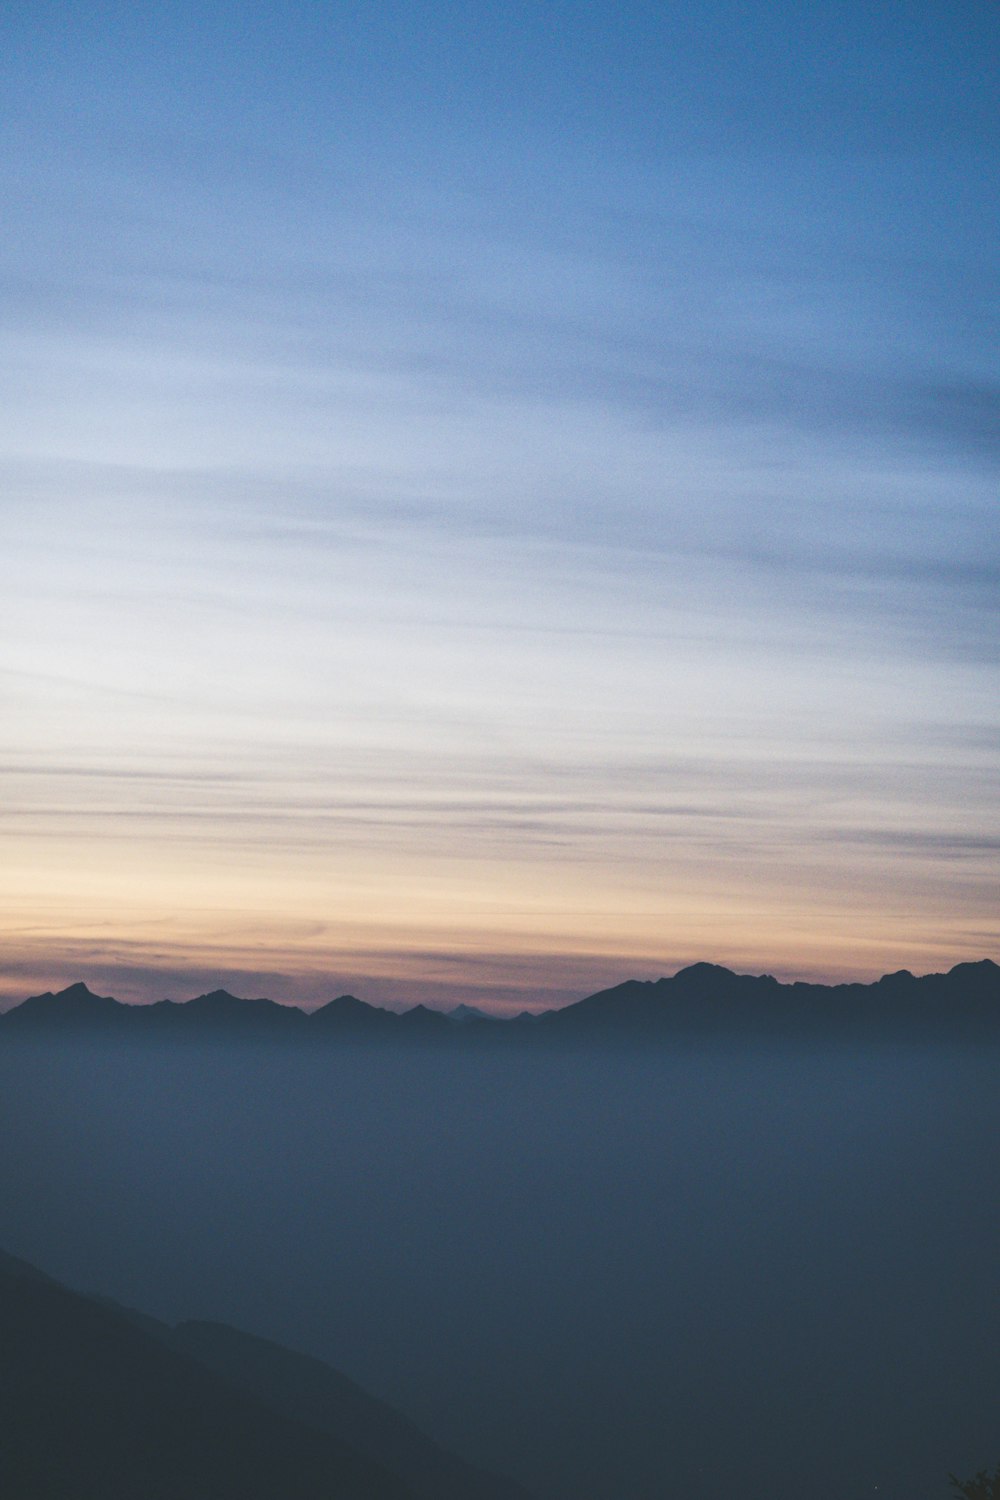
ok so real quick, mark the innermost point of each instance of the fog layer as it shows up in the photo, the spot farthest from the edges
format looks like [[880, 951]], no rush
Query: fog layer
[[614, 1276]]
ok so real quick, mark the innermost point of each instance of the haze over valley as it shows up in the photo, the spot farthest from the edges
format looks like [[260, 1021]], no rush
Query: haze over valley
[[667, 1264]]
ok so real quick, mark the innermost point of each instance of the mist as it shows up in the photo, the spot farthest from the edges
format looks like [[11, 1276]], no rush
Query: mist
[[697, 1270]]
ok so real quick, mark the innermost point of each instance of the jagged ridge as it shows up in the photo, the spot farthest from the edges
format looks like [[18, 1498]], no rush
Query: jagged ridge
[[701, 997]]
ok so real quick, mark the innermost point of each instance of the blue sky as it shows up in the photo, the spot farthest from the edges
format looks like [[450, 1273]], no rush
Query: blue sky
[[497, 498]]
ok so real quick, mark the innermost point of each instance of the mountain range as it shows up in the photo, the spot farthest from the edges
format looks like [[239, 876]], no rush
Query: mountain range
[[704, 999], [100, 1403]]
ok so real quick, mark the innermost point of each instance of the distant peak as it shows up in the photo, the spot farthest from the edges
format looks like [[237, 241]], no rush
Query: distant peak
[[75, 1003], [79, 991], [423, 1014], [349, 1011], [704, 971]]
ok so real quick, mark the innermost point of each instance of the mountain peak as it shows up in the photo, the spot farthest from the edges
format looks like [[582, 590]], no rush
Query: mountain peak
[[467, 1013], [702, 971], [423, 1015], [350, 1013], [78, 991], [75, 1005]]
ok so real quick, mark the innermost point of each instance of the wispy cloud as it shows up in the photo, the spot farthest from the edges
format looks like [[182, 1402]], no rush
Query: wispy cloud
[[424, 516]]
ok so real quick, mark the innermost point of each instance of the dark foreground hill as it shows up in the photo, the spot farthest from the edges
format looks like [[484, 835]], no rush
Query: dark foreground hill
[[703, 1000], [101, 1404]]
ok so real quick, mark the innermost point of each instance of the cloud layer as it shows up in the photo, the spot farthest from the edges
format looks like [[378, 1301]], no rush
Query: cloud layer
[[497, 505]]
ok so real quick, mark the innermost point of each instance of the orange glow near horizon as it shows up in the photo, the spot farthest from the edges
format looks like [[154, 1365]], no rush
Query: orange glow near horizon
[[507, 933]]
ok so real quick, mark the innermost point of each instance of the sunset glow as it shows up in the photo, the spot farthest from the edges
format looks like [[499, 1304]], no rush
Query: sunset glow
[[479, 524]]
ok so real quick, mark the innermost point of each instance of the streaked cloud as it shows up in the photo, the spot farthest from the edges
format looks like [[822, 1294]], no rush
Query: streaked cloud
[[466, 509]]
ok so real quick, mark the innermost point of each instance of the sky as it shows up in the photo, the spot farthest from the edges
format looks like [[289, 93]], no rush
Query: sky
[[495, 500]]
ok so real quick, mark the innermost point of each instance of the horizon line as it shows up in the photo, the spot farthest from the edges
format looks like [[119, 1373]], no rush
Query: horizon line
[[496, 1015]]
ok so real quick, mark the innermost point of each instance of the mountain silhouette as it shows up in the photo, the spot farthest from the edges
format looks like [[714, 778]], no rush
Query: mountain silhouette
[[704, 999], [219, 1011], [707, 999], [100, 1403], [465, 1013], [422, 1021], [74, 1007], [349, 1016]]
